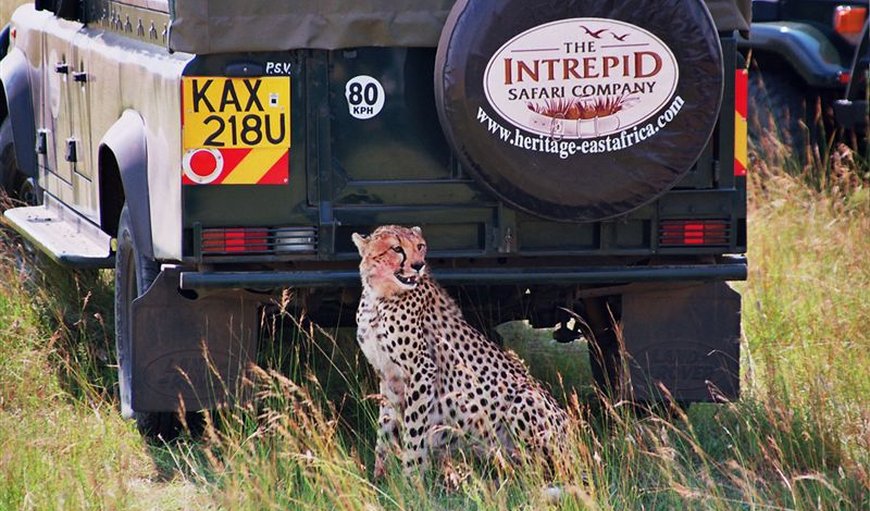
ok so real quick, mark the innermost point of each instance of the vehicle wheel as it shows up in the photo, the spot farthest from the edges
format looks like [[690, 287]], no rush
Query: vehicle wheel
[[134, 273], [10, 174], [779, 124], [787, 118], [605, 356]]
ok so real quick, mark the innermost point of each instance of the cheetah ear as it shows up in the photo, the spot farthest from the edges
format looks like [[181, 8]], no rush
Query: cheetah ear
[[417, 230], [360, 241]]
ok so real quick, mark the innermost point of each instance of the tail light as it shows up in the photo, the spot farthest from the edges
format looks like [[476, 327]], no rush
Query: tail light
[[694, 233], [849, 22], [235, 241], [249, 241]]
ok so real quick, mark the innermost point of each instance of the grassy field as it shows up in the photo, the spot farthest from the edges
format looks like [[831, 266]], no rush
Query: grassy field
[[798, 439]]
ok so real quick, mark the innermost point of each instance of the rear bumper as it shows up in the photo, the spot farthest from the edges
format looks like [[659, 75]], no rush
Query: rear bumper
[[729, 268]]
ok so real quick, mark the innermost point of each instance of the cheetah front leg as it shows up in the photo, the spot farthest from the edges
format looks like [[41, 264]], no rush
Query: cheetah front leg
[[388, 438], [419, 424], [392, 392]]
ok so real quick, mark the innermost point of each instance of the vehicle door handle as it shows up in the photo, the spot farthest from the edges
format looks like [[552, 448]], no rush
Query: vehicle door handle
[[80, 76], [61, 67]]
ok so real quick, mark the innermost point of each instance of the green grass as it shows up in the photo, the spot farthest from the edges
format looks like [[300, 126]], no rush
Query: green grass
[[63, 444], [798, 439]]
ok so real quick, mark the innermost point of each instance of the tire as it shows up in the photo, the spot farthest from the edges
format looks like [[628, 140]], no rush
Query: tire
[[134, 273], [780, 125], [17, 185], [10, 174], [605, 356], [525, 103]]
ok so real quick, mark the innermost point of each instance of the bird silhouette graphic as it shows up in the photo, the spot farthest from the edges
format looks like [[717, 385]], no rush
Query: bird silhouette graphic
[[620, 37], [593, 33]]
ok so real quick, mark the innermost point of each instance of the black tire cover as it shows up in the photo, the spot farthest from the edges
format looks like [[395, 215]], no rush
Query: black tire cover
[[518, 84]]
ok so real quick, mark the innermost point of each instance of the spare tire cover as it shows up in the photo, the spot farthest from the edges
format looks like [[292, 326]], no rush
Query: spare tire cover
[[578, 110]]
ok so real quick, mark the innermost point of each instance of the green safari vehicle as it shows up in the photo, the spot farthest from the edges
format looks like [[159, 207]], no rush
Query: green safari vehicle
[[582, 157]]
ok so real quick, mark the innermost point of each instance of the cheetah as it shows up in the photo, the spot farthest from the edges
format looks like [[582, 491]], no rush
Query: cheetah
[[440, 379]]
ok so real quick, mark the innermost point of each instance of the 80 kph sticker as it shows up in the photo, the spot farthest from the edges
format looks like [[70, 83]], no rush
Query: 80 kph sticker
[[365, 96]]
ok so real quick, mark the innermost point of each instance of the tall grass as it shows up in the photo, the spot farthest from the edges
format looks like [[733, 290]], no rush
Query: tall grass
[[798, 438], [63, 444], [48, 437]]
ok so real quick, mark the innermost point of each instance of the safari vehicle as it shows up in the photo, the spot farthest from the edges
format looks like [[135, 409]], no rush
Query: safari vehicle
[[805, 51], [562, 158]]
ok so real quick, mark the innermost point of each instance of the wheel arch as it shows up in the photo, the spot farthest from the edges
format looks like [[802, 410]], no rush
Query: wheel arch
[[16, 104], [802, 48], [123, 177]]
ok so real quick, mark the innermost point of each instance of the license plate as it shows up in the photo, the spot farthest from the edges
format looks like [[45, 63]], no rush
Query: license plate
[[235, 130], [236, 112]]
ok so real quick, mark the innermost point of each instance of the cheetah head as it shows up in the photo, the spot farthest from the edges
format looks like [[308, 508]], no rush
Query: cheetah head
[[393, 258]]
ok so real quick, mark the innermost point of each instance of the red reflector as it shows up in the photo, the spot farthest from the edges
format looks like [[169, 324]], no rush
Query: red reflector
[[202, 166], [690, 233], [203, 163], [234, 241], [741, 104], [844, 77]]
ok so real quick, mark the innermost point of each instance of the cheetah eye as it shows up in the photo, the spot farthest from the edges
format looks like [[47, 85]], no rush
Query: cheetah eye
[[397, 249], [421, 246]]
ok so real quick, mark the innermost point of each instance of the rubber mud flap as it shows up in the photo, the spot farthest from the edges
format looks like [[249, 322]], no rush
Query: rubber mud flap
[[684, 337], [578, 110], [172, 334]]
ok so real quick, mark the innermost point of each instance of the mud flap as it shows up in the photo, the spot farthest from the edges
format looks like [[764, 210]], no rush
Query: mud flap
[[190, 350], [686, 338]]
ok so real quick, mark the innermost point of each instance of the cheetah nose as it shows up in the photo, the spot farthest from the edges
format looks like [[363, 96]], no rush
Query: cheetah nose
[[418, 266]]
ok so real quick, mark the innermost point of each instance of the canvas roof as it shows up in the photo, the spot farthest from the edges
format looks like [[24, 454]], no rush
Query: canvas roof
[[216, 26]]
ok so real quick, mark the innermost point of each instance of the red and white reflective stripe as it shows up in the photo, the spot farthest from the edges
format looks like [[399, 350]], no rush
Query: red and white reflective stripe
[[741, 106]]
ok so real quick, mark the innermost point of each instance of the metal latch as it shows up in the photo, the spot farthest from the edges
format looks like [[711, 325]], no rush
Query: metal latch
[[71, 153], [41, 141]]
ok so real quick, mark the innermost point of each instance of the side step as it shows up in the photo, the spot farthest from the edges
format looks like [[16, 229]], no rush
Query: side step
[[62, 234]]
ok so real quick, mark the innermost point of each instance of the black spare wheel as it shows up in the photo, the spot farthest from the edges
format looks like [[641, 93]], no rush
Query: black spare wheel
[[578, 110]]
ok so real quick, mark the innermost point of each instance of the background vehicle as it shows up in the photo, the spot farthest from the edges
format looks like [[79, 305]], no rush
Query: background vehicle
[[589, 158], [806, 52]]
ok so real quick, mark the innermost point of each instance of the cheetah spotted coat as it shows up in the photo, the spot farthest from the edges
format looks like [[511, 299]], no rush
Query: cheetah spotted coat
[[441, 378]]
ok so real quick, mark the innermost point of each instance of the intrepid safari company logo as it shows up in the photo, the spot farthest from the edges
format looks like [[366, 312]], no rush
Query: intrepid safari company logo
[[581, 78]]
